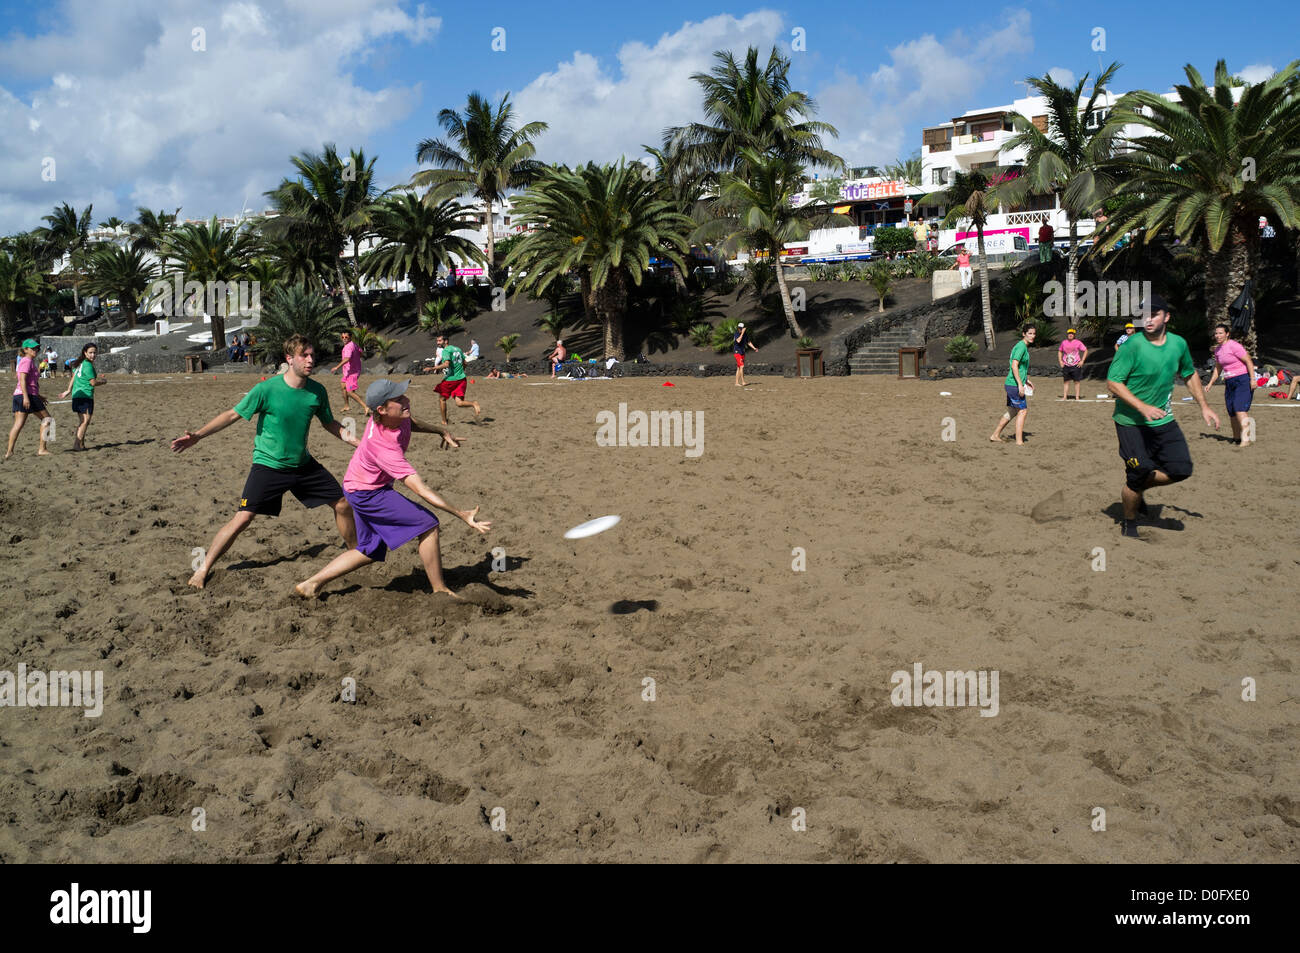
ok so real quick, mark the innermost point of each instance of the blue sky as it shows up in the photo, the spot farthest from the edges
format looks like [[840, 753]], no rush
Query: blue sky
[[132, 114]]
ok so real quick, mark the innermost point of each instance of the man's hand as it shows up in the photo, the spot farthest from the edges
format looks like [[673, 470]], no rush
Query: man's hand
[[1020, 388], [185, 442], [481, 525], [1152, 412], [448, 441]]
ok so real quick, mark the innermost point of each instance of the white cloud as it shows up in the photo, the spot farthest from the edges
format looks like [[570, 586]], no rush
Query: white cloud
[[1062, 76], [926, 81], [597, 112], [1255, 73], [166, 126]]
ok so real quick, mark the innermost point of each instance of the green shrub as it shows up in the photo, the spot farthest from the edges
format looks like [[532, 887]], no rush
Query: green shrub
[[507, 343], [961, 349], [881, 276], [290, 310], [724, 335], [701, 334], [817, 272], [805, 342], [889, 240]]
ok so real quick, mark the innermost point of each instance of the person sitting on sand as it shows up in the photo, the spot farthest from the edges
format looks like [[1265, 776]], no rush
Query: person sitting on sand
[[557, 356], [385, 518], [286, 405]]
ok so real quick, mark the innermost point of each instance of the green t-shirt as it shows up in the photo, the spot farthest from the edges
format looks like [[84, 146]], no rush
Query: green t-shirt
[[1149, 372], [286, 414], [81, 386], [455, 359], [1019, 353]]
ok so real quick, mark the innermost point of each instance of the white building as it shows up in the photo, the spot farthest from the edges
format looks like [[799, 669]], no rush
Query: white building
[[977, 139]]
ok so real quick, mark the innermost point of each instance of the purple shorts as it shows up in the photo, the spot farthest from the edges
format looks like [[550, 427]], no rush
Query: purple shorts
[[386, 520]]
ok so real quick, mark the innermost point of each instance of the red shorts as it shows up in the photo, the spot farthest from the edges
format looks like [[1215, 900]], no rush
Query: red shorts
[[448, 389], [740, 360]]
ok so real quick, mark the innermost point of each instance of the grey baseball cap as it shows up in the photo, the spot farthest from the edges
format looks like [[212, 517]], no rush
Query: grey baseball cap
[[382, 391]]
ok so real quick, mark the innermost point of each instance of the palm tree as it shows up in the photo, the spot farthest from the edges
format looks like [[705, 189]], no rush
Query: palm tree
[[754, 211], [968, 196], [1069, 159], [211, 254], [329, 205], [24, 280], [417, 238], [13, 290], [484, 155], [290, 310], [1209, 170], [907, 170], [121, 273], [752, 107], [68, 234], [150, 229], [604, 220]]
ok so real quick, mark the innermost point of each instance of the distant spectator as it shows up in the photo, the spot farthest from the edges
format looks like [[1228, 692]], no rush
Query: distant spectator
[[1046, 236], [557, 356], [1128, 333], [472, 354], [963, 266], [234, 352]]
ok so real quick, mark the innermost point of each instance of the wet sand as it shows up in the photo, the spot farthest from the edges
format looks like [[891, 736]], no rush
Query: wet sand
[[1119, 689]]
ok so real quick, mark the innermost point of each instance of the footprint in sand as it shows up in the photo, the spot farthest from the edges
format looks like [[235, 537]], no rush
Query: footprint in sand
[[1058, 506]]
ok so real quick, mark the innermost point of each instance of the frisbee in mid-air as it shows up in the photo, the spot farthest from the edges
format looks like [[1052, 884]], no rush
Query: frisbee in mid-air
[[592, 527]]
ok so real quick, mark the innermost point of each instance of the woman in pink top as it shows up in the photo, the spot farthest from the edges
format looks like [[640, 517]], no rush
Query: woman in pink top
[[351, 364], [27, 397], [963, 266], [1238, 370], [386, 519]]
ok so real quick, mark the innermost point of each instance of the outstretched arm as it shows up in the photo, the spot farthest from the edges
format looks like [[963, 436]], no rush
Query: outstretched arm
[[419, 426], [433, 499], [219, 422], [336, 429]]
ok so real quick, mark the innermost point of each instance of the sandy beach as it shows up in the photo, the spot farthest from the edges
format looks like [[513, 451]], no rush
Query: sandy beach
[[1120, 689]]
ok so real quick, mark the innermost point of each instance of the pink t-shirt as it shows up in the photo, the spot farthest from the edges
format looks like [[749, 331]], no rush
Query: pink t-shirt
[[351, 359], [1072, 351], [1231, 357], [963, 259], [380, 458], [27, 367]]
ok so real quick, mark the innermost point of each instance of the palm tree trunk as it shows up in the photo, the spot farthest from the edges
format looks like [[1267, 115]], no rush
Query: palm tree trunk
[[491, 247], [421, 295], [611, 304], [584, 276], [986, 304], [347, 298], [1072, 270], [790, 319], [1226, 275]]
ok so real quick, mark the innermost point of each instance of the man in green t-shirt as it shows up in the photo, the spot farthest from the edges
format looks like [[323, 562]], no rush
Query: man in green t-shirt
[[1015, 384], [285, 405], [453, 384], [1141, 377]]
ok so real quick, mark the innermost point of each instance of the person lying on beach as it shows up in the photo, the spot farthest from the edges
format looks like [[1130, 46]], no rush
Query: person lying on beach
[[386, 519], [495, 374]]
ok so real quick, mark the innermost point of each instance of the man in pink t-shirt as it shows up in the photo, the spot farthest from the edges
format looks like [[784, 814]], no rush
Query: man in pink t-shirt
[[386, 519], [1070, 356], [27, 397], [1238, 370], [351, 365]]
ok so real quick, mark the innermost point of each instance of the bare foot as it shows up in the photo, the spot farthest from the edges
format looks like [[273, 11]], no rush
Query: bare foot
[[9, 454], [198, 580], [1020, 443], [306, 589], [42, 453], [997, 439], [448, 592]]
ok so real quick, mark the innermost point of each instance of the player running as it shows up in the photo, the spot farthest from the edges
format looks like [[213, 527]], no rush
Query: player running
[[286, 404], [453, 384], [1141, 377], [82, 389], [351, 364], [1015, 384]]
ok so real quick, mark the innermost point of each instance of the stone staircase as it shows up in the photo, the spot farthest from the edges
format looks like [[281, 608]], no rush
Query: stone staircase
[[880, 354]]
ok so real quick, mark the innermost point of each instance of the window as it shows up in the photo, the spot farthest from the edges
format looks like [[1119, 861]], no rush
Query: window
[[1097, 118], [939, 176]]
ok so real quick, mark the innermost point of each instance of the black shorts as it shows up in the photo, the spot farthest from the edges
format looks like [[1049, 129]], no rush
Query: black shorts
[[37, 405], [1072, 372], [265, 486], [83, 405], [1146, 449]]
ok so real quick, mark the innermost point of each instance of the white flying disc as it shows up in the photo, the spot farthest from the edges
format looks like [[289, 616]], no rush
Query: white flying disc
[[945, 393], [592, 527], [1029, 390]]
